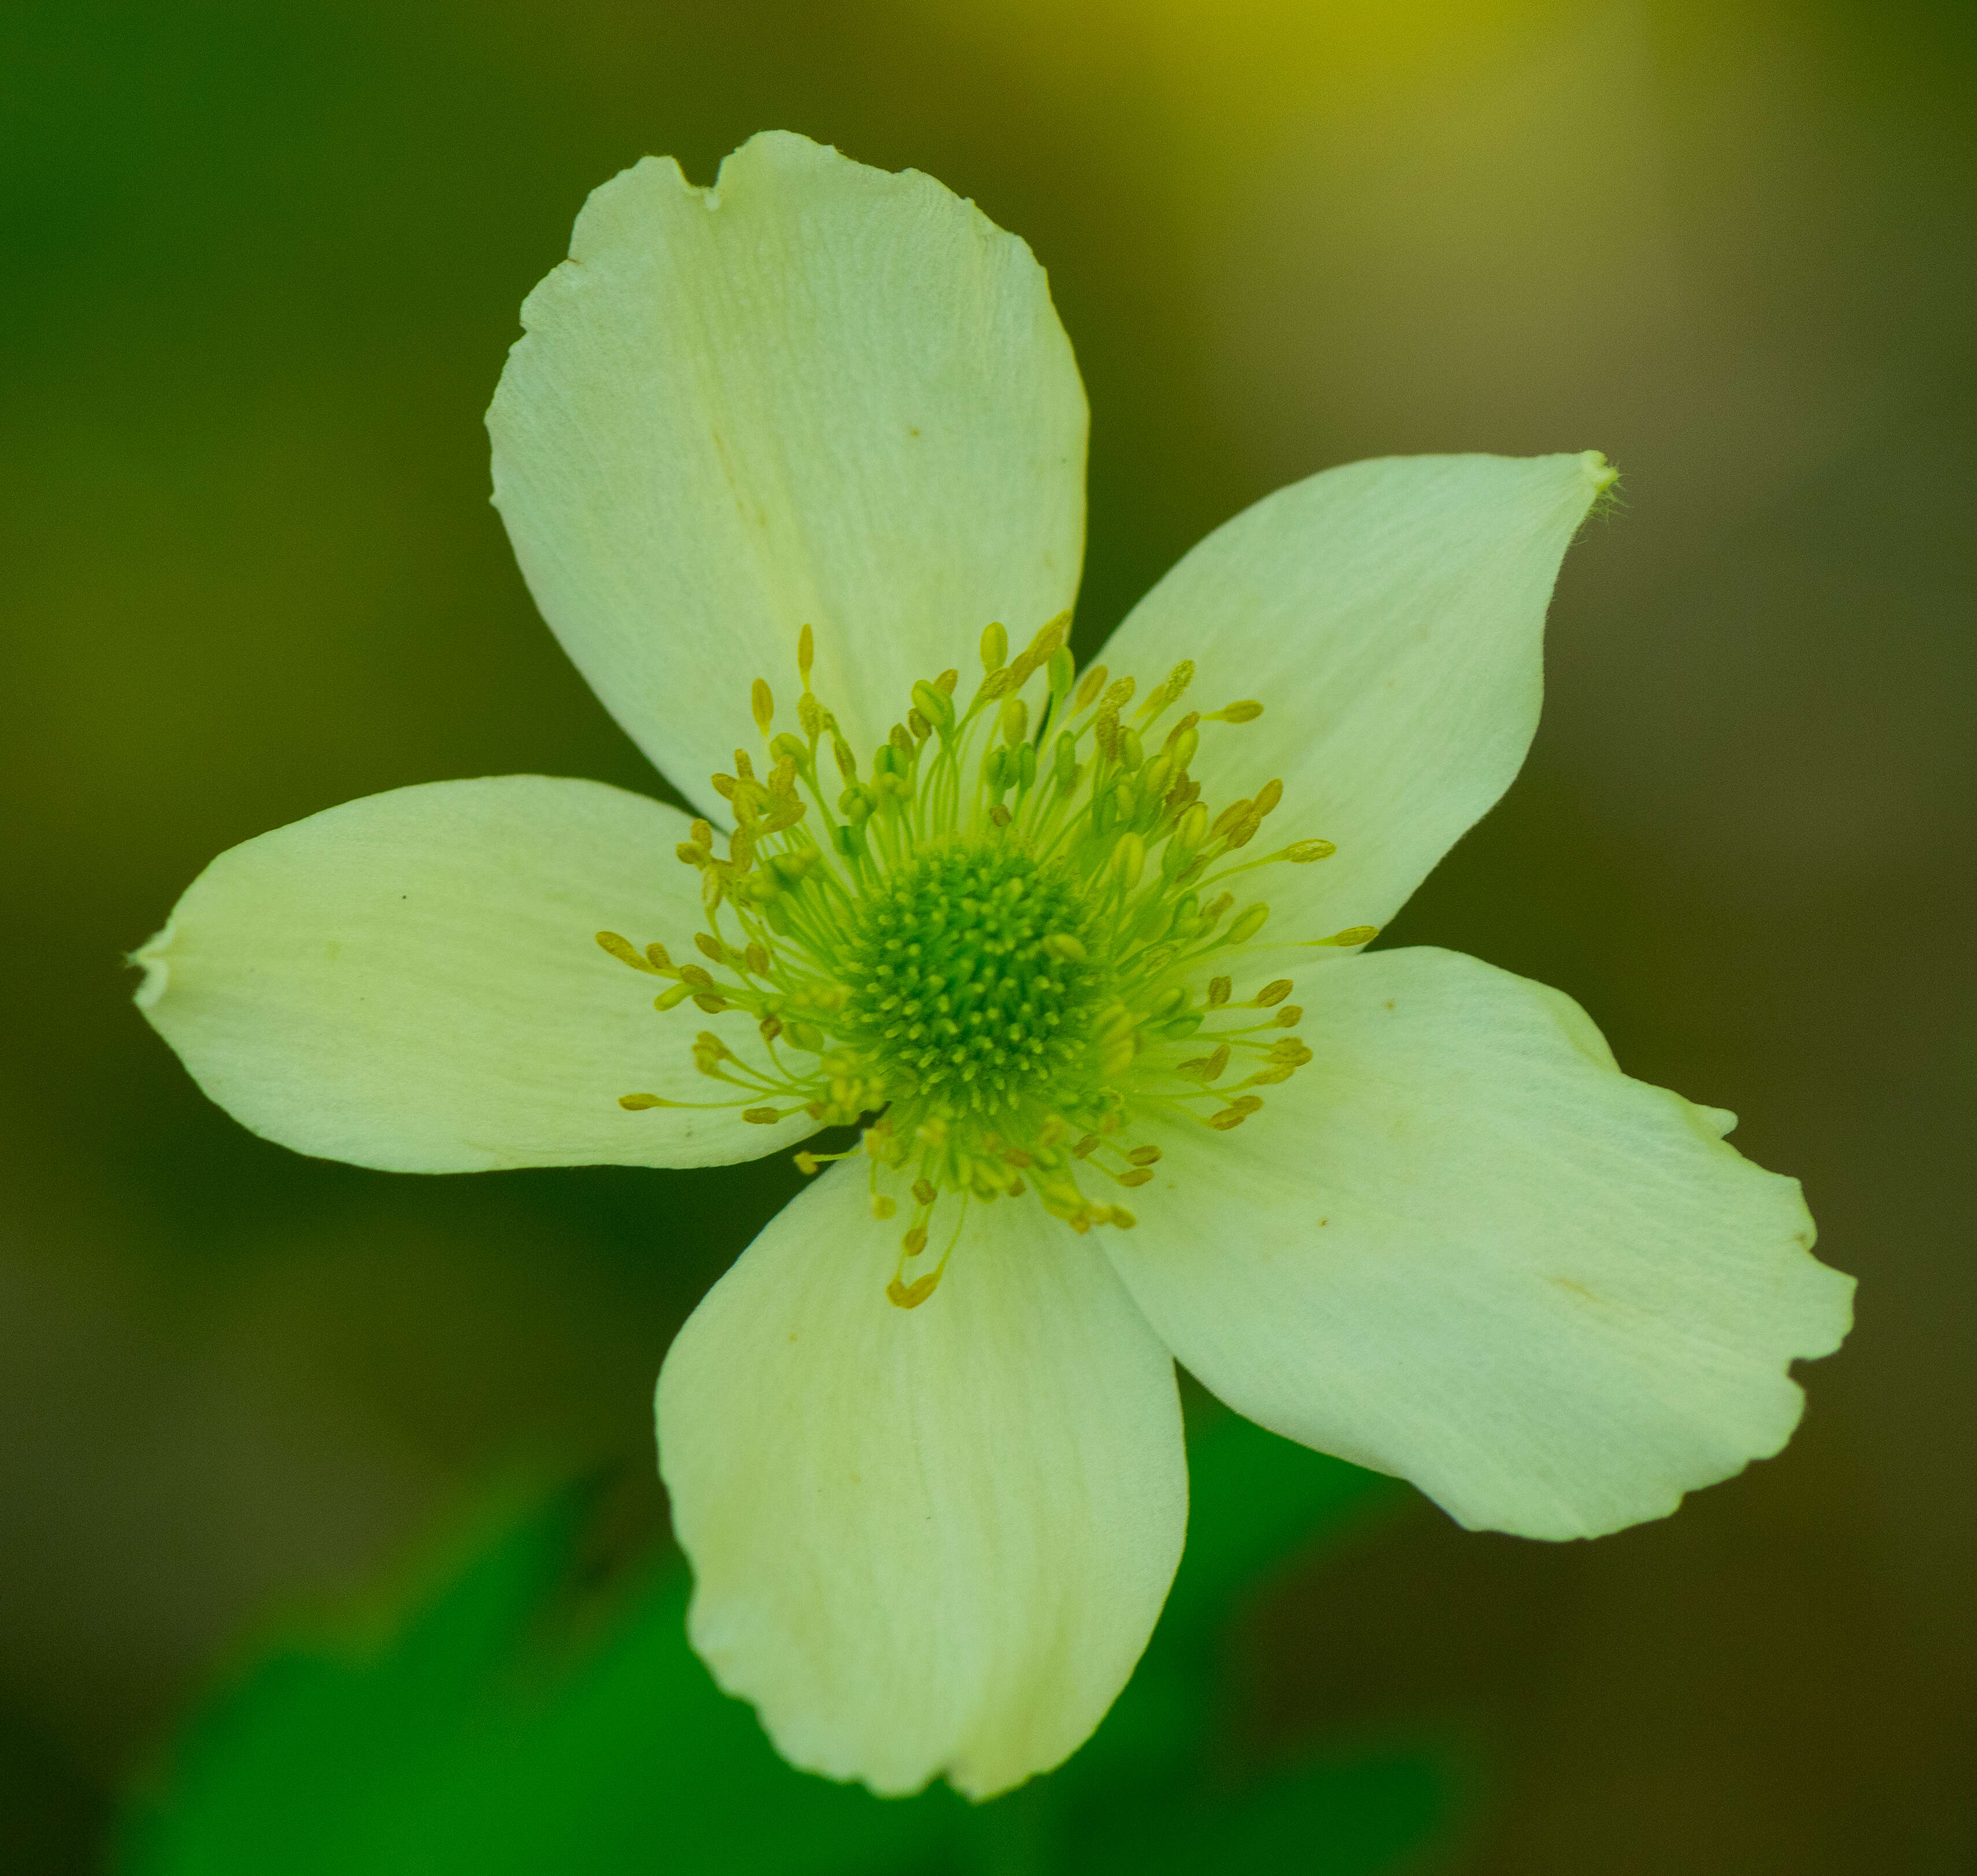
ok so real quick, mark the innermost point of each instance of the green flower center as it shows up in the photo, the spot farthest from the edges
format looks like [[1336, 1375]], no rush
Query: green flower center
[[956, 992], [999, 950]]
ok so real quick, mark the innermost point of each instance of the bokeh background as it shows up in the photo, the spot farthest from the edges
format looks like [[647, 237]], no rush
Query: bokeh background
[[263, 263]]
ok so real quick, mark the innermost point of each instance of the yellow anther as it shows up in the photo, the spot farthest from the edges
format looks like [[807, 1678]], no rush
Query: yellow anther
[[883, 1207], [914, 1242], [634, 1103], [1041, 647], [912, 1295], [1219, 988], [1063, 946], [1144, 1155], [945, 682], [696, 978], [657, 957], [1247, 711], [932, 705], [1164, 694], [1267, 798], [760, 1116], [1228, 818], [709, 948], [621, 948], [1246, 926], [1206, 1067], [924, 1192], [755, 957], [744, 768], [808, 1164], [1105, 731], [806, 654], [762, 706], [1352, 935], [994, 647], [1140, 1176], [1304, 850], [1085, 1147], [1275, 992], [1289, 1017], [1117, 1056], [1015, 721], [703, 834], [1129, 862], [1094, 682], [672, 999]]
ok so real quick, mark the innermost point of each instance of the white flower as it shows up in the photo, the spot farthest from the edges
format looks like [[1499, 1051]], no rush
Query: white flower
[[808, 432]]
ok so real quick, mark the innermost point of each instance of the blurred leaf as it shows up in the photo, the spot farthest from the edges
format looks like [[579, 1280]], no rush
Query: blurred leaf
[[495, 1724]]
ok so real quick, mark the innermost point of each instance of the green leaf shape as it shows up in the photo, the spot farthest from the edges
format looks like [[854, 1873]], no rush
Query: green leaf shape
[[489, 1723]]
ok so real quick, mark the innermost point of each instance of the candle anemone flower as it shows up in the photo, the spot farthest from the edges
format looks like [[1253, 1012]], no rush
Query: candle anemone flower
[[793, 465]]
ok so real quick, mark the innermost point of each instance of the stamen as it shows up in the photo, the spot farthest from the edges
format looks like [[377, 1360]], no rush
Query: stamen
[[992, 955]]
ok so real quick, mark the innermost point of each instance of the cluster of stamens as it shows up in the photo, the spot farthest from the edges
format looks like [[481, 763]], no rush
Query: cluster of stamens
[[995, 950]]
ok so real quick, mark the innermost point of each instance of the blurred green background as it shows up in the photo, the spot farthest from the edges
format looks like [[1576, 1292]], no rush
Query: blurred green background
[[263, 264]]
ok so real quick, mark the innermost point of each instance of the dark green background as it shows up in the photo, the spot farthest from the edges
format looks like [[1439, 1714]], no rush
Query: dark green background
[[262, 265]]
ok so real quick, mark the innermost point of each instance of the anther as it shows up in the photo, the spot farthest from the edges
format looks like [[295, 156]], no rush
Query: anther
[[1274, 993], [635, 1103], [1094, 682], [622, 949], [760, 1116], [1289, 1017], [762, 706], [1246, 926], [1219, 988], [1352, 935], [994, 647], [1303, 852], [1247, 711], [806, 654]]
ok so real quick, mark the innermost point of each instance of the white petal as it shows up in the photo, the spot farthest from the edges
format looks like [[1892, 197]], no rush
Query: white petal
[[1459, 1245], [923, 1540], [817, 393], [1389, 615], [412, 981]]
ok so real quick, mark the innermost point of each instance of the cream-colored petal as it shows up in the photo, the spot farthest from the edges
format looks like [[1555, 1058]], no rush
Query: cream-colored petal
[[1389, 616], [1460, 1246], [925, 1541], [412, 981], [816, 392]]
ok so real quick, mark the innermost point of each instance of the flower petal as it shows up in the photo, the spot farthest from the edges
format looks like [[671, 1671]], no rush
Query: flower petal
[[412, 981], [1390, 617], [1461, 1246], [924, 1540], [816, 392]]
